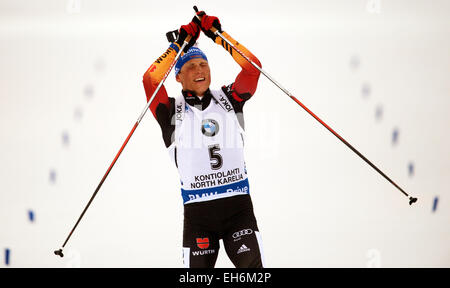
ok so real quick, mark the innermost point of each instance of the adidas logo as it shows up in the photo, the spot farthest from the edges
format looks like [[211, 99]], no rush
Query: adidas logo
[[243, 249]]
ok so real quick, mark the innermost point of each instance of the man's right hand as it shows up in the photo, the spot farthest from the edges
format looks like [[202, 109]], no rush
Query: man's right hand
[[191, 29]]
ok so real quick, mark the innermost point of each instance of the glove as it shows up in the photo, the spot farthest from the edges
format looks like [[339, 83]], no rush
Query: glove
[[207, 23], [190, 29]]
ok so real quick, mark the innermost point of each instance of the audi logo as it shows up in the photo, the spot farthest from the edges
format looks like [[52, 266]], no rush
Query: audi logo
[[242, 233]]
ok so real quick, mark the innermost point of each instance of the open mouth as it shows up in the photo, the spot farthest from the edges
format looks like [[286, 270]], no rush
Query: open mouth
[[199, 79]]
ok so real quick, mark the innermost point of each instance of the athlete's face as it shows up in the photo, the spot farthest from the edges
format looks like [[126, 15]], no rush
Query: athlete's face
[[195, 76]]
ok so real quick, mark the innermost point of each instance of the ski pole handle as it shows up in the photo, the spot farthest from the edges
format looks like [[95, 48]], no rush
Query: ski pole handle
[[186, 41], [213, 29]]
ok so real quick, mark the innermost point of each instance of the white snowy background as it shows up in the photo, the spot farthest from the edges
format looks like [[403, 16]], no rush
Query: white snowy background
[[376, 71]]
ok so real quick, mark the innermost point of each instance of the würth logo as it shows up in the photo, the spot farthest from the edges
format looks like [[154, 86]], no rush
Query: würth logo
[[203, 243]]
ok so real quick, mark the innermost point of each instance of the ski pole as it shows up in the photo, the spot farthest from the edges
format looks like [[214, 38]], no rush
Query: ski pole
[[186, 41], [215, 31]]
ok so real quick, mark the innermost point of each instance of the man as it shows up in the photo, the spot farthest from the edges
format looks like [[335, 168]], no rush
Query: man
[[203, 131]]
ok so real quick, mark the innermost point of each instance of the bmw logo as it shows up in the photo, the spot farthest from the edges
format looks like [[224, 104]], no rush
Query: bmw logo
[[210, 127]]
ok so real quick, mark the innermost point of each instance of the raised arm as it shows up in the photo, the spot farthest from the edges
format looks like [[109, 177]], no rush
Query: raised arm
[[155, 73], [162, 106], [246, 81]]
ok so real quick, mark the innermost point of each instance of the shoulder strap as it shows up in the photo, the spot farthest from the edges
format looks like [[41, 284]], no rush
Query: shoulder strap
[[180, 107], [220, 97], [225, 103]]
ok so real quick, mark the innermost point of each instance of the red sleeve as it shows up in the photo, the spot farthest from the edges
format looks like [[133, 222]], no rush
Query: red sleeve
[[161, 96], [154, 75], [247, 80]]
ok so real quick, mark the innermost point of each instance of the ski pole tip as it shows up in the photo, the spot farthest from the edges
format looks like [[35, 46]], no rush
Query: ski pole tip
[[412, 200], [59, 252]]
